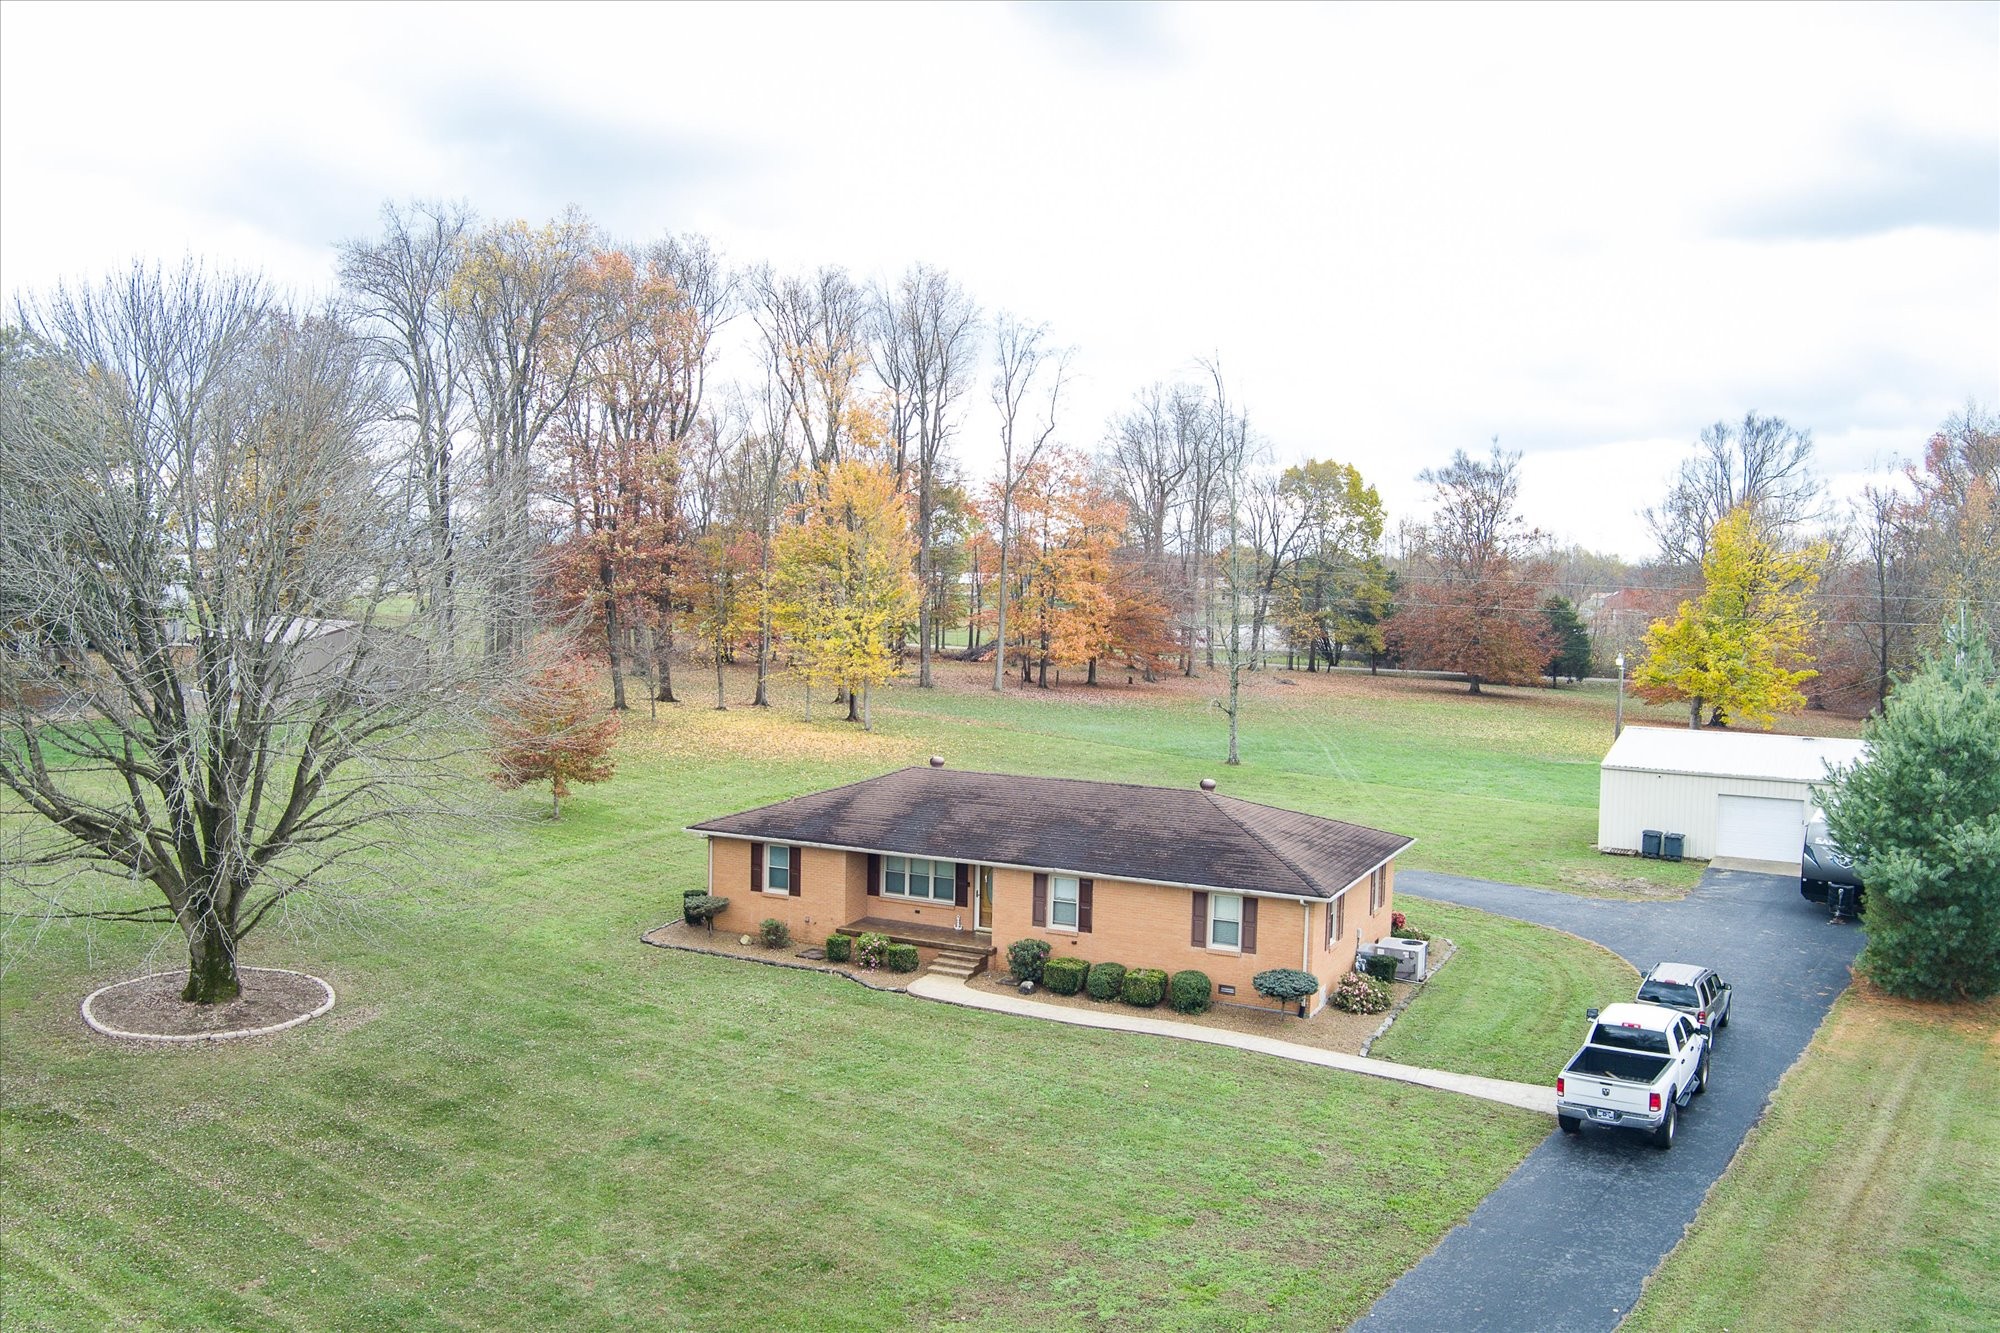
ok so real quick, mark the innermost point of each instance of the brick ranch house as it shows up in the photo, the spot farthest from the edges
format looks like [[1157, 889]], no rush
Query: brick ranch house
[[1146, 876]]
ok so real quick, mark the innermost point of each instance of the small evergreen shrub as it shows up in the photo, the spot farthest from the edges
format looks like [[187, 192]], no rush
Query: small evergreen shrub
[[1381, 967], [901, 957], [870, 948], [1286, 985], [839, 948], [1027, 958], [1145, 986], [702, 909], [775, 933], [1189, 992], [1358, 994], [1065, 976], [1106, 980]]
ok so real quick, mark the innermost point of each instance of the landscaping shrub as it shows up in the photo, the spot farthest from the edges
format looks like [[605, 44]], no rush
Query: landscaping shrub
[[1396, 920], [901, 957], [1065, 976], [1286, 985], [1027, 958], [1189, 992], [839, 948], [1145, 986], [702, 909], [1357, 994], [775, 933], [1411, 933], [1381, 967], [1106, 980], [870, 948]]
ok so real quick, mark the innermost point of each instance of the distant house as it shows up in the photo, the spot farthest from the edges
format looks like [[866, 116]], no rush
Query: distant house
[[1161, 877], [1729, 793]]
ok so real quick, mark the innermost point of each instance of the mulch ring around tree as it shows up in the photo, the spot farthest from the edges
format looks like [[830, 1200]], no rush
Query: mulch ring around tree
[[150, 1008]]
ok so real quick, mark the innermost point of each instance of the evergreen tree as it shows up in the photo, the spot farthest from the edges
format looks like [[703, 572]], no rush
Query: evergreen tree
[[1921, 816], [1572, 641]]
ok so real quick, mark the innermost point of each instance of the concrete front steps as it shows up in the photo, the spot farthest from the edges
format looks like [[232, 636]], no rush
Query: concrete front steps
[[959, 966]]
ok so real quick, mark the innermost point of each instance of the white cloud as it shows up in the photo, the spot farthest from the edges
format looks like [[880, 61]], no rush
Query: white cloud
[[1403, 229]]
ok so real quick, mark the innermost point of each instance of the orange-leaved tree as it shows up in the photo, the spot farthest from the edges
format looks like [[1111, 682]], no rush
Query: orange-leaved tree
[[553, 729]]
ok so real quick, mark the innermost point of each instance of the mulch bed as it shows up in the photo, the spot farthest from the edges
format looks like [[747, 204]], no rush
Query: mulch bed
[[699, 939], [153, 1006]]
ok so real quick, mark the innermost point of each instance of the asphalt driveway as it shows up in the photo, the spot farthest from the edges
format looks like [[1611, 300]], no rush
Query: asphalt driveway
[[1566, 1241]]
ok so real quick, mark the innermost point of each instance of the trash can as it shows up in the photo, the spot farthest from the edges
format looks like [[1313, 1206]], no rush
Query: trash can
[[1671, 844], [1649, 843]]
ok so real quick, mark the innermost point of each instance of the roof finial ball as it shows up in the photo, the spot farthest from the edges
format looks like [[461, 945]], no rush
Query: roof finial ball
[[1208, 784], [937, 761]]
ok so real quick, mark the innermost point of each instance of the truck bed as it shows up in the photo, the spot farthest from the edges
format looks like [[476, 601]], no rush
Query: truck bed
[[1626, 1066]]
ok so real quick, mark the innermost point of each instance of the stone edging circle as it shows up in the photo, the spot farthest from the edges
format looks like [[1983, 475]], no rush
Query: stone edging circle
[[105, 1029]]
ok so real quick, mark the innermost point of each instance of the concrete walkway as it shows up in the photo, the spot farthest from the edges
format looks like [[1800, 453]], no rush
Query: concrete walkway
[[1527, 1096]]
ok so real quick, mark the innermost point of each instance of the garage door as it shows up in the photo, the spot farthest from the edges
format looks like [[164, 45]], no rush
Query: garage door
[[1759, 828]]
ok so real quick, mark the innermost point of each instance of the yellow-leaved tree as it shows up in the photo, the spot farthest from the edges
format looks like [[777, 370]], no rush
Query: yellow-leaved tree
[[1741, 647], [843, 584]]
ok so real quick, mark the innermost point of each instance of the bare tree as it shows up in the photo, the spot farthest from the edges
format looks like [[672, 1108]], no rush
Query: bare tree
[[1763, 462], [926, 340], [1021, 357], [399, 286], [1230, 461], [810, 331], [523, 313], [209, 719]]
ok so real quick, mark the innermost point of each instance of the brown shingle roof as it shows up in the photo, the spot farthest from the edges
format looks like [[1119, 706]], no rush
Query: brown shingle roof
[[1166, 835]]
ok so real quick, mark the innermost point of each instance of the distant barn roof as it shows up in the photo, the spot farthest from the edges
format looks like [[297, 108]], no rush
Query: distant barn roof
[[1165, 835], [1731, 754]]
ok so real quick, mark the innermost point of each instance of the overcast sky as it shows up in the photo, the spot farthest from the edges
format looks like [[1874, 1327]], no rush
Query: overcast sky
[[1404, 230]]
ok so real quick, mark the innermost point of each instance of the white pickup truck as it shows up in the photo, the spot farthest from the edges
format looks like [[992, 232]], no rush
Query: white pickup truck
[[1639, 1067]]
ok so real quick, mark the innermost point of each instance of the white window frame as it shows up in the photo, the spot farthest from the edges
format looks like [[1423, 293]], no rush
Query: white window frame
[[1216, 900], [904, 895], [1336, 919], [772, 849], [1074, 925]]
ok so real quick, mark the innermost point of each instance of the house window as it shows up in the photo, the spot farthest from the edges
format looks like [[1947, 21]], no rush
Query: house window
[[1225, 921], [777, 869], [1378, 889], [1064, 894], [1336, 920], [919, 878]]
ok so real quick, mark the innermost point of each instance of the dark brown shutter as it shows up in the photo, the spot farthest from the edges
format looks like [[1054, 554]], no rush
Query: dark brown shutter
[[756, 867], [798, 864], [1084, 892], [1198, 932], [1041, 900], [1249, 925], [874, 874], [964, 893]]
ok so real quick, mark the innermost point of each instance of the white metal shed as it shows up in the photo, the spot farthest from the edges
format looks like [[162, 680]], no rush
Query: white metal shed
[[1737, 794]]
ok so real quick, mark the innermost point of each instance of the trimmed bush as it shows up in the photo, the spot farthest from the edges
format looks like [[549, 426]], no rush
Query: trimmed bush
[[1065, 976], [702, 909], [901, 957], [1145, 986], [839, 948], [1381, 967], [1027, 958], [1286, 985], [1106, 980], [775, 933], [1357, 994], [1189, 992], [1411, 933], [870, 948]]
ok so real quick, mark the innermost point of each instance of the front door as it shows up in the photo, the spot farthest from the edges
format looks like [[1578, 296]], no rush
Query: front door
[[982, 902]]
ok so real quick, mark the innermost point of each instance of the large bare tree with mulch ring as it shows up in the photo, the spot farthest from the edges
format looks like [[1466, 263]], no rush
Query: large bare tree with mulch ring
[[207, 721]]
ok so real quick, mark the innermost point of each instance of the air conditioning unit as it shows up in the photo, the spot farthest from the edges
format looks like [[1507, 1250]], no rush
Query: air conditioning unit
[[1413, 957]]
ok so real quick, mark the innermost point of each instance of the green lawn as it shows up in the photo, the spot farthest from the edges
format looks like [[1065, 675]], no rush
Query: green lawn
[[519, 1116], [1869, 1198], [1510, 1004]]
